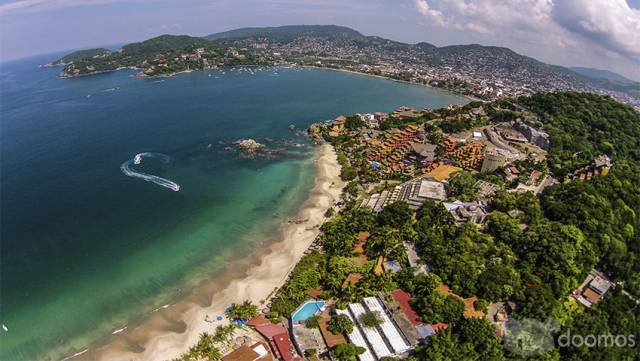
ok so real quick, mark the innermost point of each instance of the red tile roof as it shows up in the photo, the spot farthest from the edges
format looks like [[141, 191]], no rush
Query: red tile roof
[[258, 321], [285, 347], [246, 353], [269, 331], [437, 327], [591, 295], [403, 299]]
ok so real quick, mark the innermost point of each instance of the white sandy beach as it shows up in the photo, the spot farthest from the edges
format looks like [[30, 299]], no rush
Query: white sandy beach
[[171, 331]]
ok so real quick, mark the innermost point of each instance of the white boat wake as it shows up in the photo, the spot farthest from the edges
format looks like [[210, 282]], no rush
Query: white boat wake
[[126, 169]]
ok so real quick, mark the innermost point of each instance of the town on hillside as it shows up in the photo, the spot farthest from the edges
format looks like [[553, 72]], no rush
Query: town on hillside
[[481, 72]]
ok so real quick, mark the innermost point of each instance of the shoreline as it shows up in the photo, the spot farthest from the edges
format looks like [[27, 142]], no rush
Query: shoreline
[[468, 97], [138, 75], [170, 331]]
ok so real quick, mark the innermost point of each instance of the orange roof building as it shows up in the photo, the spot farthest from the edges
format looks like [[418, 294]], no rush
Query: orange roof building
[[258, 351], [330, 338]]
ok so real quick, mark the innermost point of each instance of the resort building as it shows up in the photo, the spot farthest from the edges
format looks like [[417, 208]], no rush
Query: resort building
[[414, 260], [498, 315], [390, 152], [600, 166], [470, 156], [417, 191], [390, 332], [404, 112], [594, 287], [493, 161], [533, 135], [462, 212], [394, 336], [425, 152], [377, 201], [357, 338], [414, 192], [373, 336]]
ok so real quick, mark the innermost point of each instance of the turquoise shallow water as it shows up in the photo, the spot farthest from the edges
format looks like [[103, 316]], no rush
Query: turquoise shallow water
[[85, 249]]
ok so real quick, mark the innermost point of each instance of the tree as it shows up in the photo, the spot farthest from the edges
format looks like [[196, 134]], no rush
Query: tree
[[311, 353], [504, 228], [452, 309], [313, 322], [478, 338], [370, 319], [499, 282], [473, 339], [396, 215], [463, 186], [205, 349], [385, 241], [347, 352], [242, 311], [354, 122], [340, 324], [348, 173]]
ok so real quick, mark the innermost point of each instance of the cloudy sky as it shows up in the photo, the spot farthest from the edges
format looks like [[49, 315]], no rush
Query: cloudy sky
[[593, 33]]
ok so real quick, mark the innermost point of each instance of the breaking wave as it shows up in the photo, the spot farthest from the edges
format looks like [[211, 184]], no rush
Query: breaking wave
[[126, 169]]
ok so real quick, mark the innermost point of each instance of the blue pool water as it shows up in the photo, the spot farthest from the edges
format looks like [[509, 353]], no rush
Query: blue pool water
[[307, 310]]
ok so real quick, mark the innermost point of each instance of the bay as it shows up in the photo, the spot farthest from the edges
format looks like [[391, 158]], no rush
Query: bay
[[86, 249]]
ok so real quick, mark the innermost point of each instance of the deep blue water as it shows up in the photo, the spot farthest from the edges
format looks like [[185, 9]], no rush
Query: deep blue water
[[86, 249]]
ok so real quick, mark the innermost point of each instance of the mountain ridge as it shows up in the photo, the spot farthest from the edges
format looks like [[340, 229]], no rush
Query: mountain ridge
[[602, 74]]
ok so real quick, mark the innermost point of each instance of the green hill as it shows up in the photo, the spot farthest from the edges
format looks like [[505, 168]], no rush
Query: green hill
[[287, 33], [80, 55], [163, 43]]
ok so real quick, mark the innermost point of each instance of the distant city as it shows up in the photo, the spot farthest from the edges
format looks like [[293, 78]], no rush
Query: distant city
[[482, 72]]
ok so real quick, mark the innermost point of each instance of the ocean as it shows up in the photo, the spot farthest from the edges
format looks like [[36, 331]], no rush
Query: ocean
[[94, 238]]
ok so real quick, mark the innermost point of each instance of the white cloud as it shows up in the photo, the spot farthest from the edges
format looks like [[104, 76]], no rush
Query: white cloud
[[434, 16], [18, 6], [611, 26]]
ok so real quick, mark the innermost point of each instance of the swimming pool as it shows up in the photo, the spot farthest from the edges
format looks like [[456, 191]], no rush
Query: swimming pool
[[306, 310]]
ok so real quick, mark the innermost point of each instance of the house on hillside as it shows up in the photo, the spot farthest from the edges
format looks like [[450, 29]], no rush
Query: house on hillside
[[594, 287]]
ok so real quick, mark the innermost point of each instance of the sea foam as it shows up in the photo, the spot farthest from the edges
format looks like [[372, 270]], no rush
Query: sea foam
[[126, 169]]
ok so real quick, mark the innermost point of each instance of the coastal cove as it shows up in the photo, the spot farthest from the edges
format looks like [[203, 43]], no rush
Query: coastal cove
[[88, 251]]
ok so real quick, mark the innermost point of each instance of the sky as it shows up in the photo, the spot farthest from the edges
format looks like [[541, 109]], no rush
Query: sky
[[593, 33]]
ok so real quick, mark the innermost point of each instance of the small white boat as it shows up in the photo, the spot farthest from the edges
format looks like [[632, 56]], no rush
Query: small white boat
[[5, 328]]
